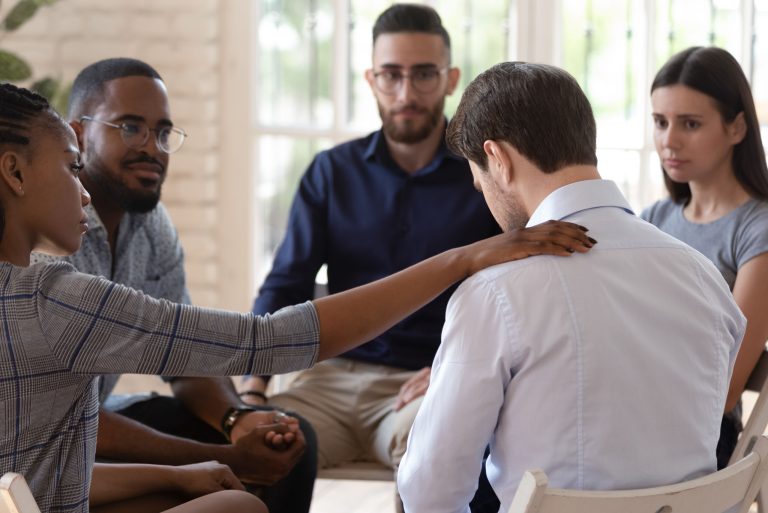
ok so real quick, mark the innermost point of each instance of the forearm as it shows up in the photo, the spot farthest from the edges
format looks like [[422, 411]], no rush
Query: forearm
[[117, 482], [350, 318], [253, 389], [124, 439], [752, 347], [207, 398], [749, 293]]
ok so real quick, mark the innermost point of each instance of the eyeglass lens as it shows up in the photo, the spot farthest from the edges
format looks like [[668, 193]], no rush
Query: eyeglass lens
[[169, 139], [423, 80]]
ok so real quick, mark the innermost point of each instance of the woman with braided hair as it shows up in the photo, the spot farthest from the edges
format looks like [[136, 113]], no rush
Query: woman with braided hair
[[59, 328], [33, 136]]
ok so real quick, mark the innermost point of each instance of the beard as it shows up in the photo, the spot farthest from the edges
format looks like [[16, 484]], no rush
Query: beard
[[516, 217], [411, 131], [139, 202]]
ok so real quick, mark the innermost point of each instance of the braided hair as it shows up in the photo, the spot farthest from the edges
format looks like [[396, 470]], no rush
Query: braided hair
[[20, 109]]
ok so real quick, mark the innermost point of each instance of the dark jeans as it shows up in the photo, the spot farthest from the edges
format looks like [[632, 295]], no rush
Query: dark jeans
[[730, 427], [291, 495], [485, 500]]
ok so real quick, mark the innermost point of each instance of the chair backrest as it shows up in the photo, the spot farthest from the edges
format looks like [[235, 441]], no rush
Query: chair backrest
[[15, 495], [758, 419], [733, 488]]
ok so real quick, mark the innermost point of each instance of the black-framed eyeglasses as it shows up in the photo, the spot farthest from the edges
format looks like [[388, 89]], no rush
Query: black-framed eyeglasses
[[423, 80], [135, 134]]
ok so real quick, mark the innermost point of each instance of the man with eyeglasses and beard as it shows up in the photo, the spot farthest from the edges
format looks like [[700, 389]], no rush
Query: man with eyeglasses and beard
[[120, 113], [368, 208]]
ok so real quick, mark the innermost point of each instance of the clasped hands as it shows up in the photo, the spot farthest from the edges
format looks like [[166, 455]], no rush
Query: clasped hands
[[279, 430], [266, 445]]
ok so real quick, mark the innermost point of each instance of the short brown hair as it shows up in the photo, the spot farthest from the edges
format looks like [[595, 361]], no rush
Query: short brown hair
[[538, 109], [410, 18]]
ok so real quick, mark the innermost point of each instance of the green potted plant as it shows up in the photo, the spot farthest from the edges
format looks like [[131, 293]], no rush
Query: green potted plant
[[14, 68]]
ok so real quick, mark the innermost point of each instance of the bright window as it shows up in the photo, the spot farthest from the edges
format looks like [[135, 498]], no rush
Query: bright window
[[310, 57]]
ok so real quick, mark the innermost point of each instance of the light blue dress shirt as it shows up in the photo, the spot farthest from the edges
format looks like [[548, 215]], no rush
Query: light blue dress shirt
[[608, 370]]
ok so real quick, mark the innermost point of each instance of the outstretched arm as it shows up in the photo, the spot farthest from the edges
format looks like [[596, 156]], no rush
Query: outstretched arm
[[141, 335], [354, 316]]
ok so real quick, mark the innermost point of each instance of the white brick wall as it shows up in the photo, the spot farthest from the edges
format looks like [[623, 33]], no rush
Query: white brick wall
[[186, 41]]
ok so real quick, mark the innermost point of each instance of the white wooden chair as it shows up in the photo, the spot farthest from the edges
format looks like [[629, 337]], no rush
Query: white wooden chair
[[758, 419], [757, 422], [733, 488], [15, 496]]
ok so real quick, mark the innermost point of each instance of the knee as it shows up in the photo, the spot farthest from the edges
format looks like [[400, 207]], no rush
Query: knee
[[401, 428], [310, 437], [309, 434], [236, 501]]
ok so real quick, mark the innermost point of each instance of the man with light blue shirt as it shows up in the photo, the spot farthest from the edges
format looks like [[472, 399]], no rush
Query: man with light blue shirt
[[608, 370]]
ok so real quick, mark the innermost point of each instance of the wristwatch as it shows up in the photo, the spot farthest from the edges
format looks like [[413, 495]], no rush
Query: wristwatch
[[229, 419]]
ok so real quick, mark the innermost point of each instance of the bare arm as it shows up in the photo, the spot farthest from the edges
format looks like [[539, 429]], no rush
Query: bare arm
[[751, 294], [354, 316], [252, 457], [210, 398], [122, 438], [118, 482], [251, 384]]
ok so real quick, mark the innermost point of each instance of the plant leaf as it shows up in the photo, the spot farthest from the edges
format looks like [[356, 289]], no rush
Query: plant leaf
[[60, 101], [13, 68], [20, 14], [47, 87]]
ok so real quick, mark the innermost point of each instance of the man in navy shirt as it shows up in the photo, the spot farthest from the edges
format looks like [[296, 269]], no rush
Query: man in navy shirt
[[369, 208]]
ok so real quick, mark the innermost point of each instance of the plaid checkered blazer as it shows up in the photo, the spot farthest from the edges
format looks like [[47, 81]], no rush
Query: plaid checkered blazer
[[61, 329]]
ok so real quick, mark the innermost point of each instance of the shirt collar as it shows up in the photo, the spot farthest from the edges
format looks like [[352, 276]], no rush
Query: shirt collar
[[577, 197], [95, 223]]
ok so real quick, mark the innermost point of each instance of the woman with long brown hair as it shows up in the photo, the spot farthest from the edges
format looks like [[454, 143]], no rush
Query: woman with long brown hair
[[708, 139]]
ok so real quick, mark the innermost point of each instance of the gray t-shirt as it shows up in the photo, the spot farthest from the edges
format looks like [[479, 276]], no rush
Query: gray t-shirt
[[729, 242]]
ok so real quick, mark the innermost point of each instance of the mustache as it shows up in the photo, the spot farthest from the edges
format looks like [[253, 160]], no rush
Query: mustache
[[144, 159]]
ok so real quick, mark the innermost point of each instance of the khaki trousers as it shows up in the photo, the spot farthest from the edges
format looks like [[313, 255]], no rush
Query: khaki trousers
[[350, 404]]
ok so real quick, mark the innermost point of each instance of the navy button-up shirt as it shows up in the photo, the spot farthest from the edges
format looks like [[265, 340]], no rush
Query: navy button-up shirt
[[363, 216]]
